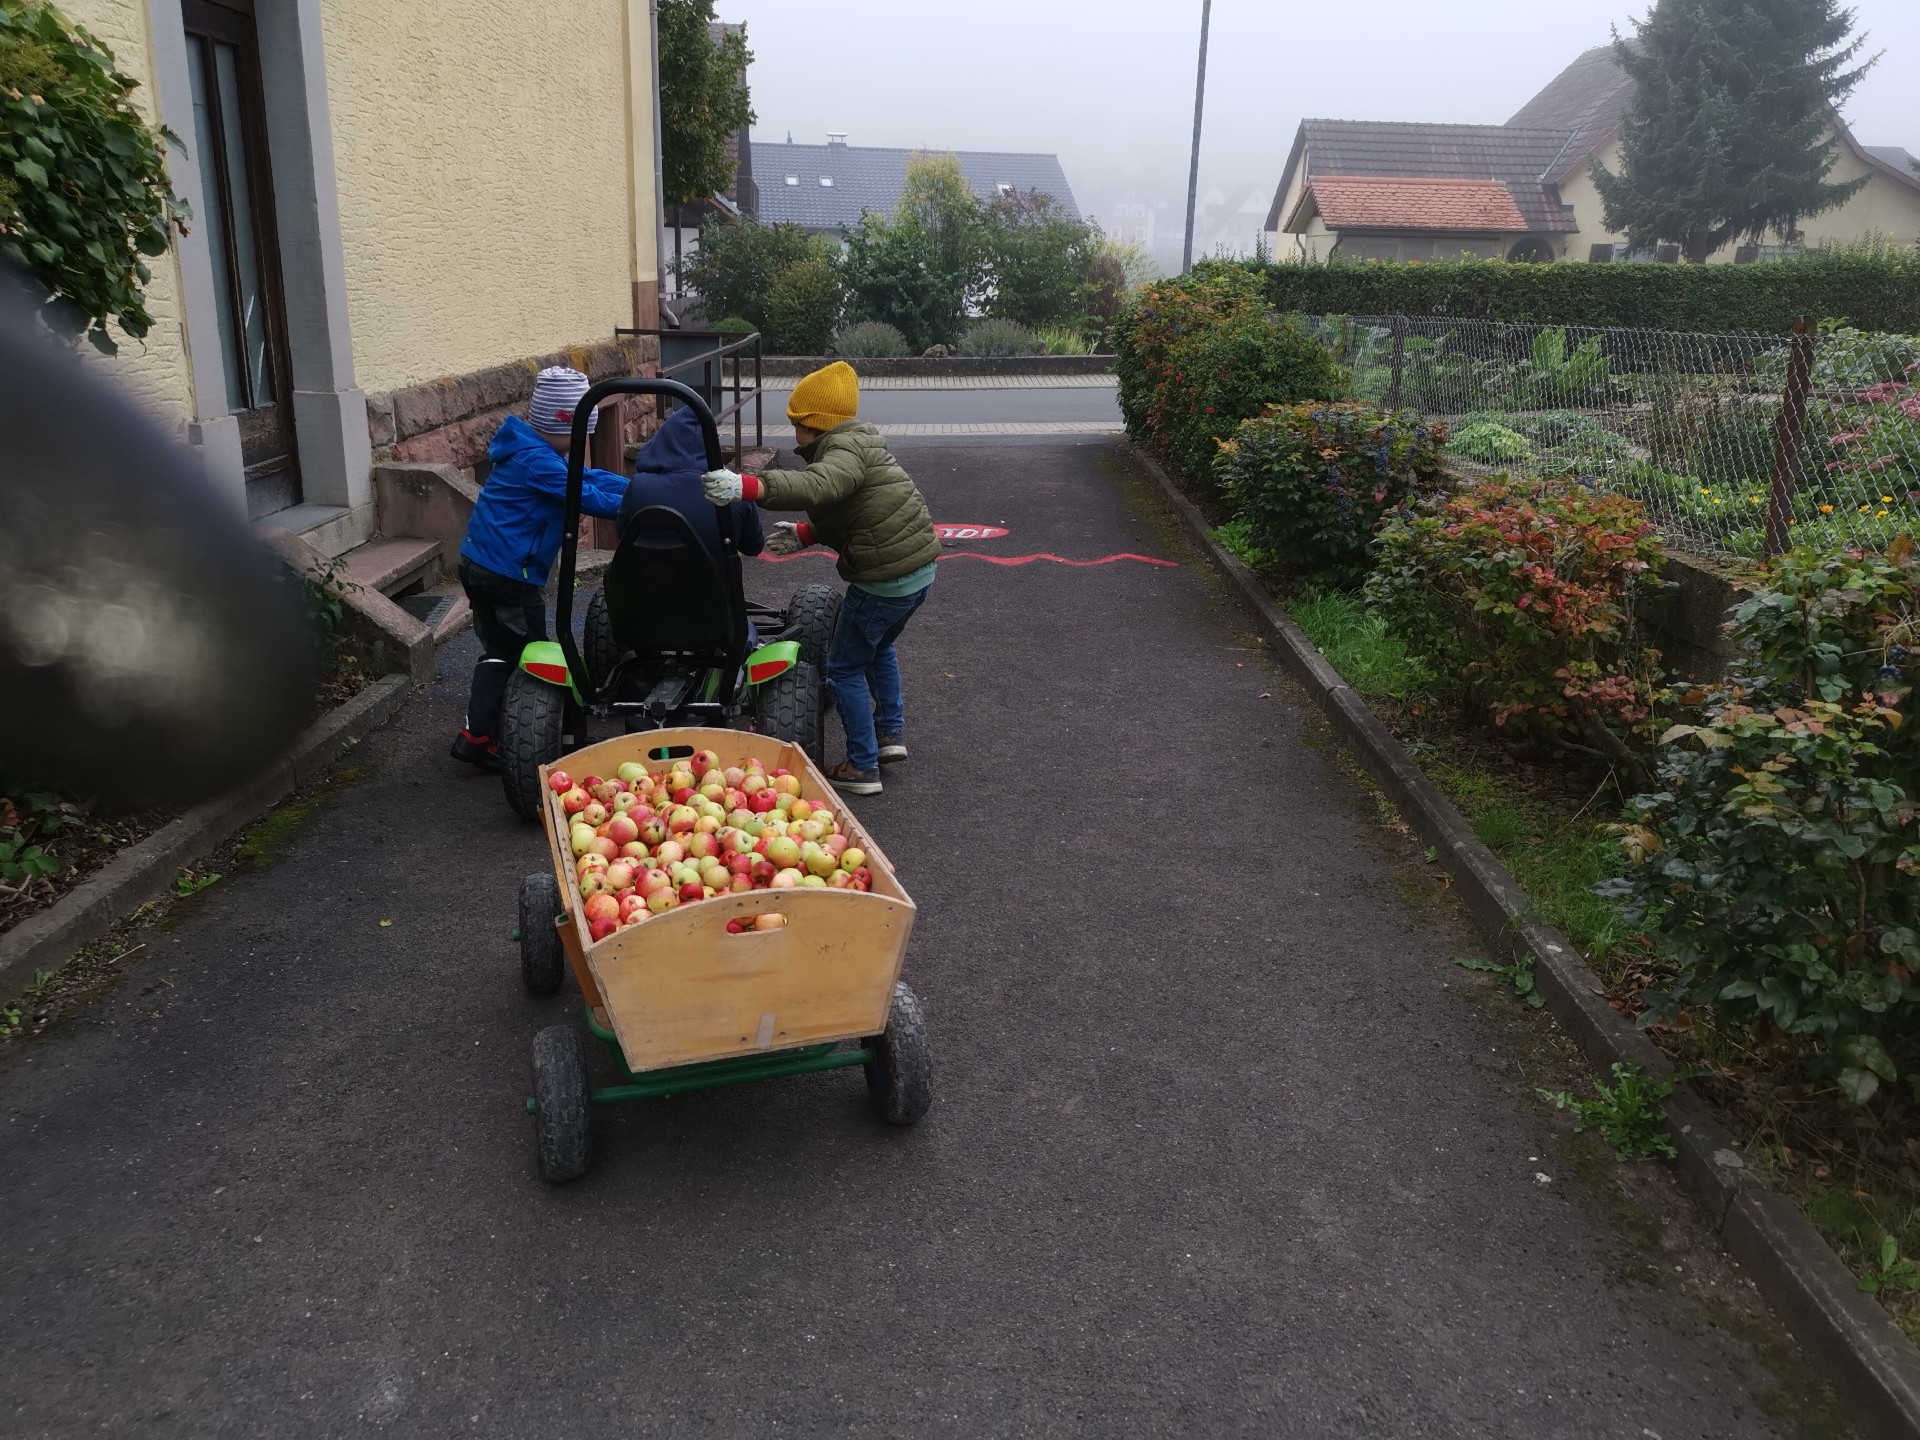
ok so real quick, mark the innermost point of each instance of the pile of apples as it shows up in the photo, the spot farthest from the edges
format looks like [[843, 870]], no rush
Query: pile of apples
[[646, 841]]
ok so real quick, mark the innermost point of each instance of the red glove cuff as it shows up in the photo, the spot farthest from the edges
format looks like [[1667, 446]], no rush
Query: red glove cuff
[[804, 532], [751, 488]]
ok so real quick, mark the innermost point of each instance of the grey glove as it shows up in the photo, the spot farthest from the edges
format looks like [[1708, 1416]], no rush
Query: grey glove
[[786, 539], [723, 486]]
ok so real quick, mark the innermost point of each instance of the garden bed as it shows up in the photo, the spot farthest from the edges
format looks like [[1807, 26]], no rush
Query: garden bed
[[77, 840]]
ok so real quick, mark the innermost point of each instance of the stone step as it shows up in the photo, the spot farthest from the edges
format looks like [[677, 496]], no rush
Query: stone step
[[392, 566], [332, 530]]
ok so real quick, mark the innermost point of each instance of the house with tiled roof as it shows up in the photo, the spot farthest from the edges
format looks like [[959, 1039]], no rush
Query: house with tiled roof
[[1415, 191], [827, 188]]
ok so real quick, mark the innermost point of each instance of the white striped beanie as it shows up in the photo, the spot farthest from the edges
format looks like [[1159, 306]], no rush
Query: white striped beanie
[[556, 390]]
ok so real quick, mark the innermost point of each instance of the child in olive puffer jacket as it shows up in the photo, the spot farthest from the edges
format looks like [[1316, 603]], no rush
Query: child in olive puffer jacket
[[862, 504]]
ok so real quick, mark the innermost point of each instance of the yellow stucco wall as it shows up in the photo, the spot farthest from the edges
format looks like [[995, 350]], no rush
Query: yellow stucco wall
[[487, 204], [154, 369], [1881, 207]]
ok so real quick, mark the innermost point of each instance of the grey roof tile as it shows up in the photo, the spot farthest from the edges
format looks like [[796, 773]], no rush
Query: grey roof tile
[[871, 177], [1588, 99]]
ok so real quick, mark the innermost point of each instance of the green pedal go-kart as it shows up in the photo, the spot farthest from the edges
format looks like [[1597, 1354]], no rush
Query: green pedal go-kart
[[667, 636]]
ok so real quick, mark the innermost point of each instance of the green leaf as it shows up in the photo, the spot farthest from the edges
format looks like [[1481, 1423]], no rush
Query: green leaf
[[31, 172]]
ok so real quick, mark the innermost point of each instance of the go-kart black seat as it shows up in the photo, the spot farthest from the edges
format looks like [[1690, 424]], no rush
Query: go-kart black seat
[[666, 593]]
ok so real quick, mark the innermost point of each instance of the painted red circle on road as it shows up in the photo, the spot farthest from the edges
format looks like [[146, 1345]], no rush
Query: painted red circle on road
[[968, 532]]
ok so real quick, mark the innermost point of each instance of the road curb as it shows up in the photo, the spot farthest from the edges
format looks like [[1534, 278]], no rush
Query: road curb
[[1869, 1360], [143, 871], [786, 365]]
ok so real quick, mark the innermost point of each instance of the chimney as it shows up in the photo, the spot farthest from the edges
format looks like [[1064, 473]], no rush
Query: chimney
[[836, 137]]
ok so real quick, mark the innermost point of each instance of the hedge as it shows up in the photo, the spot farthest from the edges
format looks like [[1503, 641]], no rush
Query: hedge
[[1870, 292]]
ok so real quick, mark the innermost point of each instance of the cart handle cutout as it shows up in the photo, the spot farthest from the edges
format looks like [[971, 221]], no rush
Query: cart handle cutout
[[670, 752], [757, 924]]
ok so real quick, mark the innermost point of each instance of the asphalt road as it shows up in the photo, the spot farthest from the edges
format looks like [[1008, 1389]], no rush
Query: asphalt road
[[1214, 1148]]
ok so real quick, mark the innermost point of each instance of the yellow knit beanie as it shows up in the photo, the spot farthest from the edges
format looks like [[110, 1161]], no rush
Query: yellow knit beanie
[[828, 397]]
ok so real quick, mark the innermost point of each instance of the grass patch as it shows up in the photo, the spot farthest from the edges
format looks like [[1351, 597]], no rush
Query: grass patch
[[1556, 849], [1358, 644]]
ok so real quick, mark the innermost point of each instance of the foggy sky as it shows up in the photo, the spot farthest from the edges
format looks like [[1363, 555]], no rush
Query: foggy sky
[[1109, 86]]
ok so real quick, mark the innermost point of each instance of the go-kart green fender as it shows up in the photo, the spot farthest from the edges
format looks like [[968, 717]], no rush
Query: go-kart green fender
[[775, 658], [545, 660]]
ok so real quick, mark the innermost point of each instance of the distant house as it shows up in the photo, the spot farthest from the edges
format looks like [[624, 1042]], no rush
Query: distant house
[[826, 188], [1393, 190], [1134, 219]]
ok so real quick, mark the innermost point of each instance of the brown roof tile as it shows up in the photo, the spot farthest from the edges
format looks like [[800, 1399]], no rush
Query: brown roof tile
[[1354, 202]]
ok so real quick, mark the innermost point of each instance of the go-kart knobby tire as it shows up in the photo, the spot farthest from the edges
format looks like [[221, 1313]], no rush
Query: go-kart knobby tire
[[560, 1104], [789, 708], [600, 650], [543, 960], [810, 620], [900, 1076], [533, 723]]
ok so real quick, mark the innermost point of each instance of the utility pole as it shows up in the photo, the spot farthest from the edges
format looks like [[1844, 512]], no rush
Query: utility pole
[[1199, 107]]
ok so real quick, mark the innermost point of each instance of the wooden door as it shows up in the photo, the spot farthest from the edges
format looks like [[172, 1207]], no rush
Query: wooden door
[[230, 140]]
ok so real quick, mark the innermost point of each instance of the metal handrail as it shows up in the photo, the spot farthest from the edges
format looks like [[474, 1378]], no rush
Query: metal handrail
[[706, 360]]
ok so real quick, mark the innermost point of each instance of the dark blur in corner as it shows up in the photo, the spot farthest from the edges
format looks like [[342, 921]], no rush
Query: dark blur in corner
[[151, 650]]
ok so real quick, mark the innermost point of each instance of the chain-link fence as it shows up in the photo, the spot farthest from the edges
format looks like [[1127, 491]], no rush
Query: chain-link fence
[[1740, 444]]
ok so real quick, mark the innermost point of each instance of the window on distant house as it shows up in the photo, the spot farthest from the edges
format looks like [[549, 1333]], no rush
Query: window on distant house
[[826, 180], [1139, 232], [793, 179], [1004, 188], [1368, 247]]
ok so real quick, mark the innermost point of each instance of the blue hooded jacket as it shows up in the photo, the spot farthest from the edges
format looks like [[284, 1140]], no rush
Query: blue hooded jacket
[[667, 472], [515, 528]]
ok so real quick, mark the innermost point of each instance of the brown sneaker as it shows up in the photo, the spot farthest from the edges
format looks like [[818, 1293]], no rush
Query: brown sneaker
[[854, 782]]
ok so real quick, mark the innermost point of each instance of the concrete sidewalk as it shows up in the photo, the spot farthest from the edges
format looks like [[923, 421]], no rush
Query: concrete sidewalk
[[1218, 1146]]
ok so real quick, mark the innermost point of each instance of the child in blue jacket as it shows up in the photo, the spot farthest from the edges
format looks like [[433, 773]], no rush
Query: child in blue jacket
[[511, 541]]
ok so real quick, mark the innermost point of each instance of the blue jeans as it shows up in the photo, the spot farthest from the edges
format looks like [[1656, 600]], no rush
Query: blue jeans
[[864, 673]]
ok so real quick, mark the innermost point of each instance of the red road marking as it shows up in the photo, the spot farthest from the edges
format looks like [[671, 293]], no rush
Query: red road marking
[[968, 532], [998, 559]]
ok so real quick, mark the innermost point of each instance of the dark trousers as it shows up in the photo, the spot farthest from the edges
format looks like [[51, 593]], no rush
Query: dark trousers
[[507, 615], [864, 673]]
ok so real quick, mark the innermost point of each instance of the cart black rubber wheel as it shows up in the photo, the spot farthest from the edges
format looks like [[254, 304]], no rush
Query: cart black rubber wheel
[[900, 1076], [600, 650], [543, 960], [533, 722], [810, 620], [560, 1103], [789, 708]]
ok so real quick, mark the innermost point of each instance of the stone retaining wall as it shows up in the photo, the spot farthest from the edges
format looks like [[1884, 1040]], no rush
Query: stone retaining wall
[[450, 421]]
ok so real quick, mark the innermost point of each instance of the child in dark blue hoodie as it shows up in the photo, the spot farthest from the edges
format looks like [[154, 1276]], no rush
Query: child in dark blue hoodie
[[667, 472], [511, 541]]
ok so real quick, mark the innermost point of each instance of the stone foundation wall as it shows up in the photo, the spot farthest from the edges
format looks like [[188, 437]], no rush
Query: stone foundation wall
[[450, 421]]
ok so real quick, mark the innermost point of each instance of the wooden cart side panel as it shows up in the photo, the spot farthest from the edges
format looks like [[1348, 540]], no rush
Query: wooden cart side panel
[[577, 960], [681, 989]]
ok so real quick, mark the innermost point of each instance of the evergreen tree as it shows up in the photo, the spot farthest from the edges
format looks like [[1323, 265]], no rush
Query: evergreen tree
[[703, 100], [1730, 134]]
